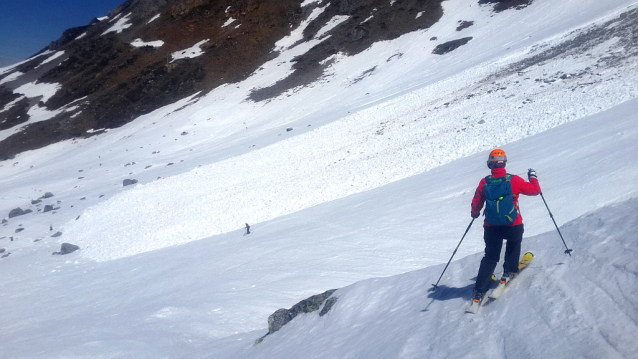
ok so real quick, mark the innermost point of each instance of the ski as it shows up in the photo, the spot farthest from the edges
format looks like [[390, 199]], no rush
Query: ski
[[474, 307], [488, 298], [525, 261]]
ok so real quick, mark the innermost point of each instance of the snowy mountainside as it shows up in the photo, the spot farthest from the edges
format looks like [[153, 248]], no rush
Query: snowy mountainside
[[211, 298], [582, 306], [147, 54], [373, 180], [216, 151]]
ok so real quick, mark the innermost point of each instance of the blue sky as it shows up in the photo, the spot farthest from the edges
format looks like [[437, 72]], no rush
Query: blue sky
[[27, 26]]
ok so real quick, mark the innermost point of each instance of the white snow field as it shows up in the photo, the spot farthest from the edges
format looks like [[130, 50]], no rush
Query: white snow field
[[369, 193]]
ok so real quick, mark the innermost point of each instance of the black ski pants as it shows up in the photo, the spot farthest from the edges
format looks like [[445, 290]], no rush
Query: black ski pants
[[494, 236]]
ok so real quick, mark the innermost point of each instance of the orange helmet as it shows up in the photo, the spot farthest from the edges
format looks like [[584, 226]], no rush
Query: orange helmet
[[497, 159]]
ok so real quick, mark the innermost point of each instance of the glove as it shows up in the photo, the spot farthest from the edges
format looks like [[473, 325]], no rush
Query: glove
[[475, 216], [531, 174]]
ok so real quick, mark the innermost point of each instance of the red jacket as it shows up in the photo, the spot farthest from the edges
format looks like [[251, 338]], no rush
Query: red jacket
[[519, 185]]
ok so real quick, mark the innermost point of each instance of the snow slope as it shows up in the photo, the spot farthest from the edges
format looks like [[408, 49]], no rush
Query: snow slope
[[194, 297], [374, 180], [559, 307], [400, 137]]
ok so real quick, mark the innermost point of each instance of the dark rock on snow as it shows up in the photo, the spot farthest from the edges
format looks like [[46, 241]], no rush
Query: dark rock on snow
[[501, 5], [121, 83], [128, 182], [57, 234], [464, 25], [66, 249], [450, 46], [16, 212], [281, 317], [326, 307]]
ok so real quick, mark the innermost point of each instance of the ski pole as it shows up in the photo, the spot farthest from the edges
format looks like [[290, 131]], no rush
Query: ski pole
[[453, 253], [567, 250]]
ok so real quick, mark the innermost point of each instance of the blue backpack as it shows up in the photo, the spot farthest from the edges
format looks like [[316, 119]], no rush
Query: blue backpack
[[499, 201]]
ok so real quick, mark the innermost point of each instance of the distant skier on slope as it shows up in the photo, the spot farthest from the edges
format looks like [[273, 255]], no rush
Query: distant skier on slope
[[502, 219], [247, 228]]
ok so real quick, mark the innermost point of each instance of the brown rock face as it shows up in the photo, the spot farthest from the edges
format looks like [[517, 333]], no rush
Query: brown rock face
[[112, 82]]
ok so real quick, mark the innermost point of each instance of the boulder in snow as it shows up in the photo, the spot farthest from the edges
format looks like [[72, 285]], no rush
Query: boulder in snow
[[464, 25], [450, 46], [66, 249], [128, 182], [281, 317], [16, 212], [326, 307]]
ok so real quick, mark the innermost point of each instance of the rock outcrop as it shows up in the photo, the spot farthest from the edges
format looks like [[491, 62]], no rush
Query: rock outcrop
[[66, 248], [110, 81], [281, 317]]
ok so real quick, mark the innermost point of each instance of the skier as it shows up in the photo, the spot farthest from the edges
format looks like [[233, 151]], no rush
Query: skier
[[247, 229], [502, 219]]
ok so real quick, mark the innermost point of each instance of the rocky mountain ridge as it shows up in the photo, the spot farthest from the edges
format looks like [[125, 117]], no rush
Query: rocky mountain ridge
[[147, 54]]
